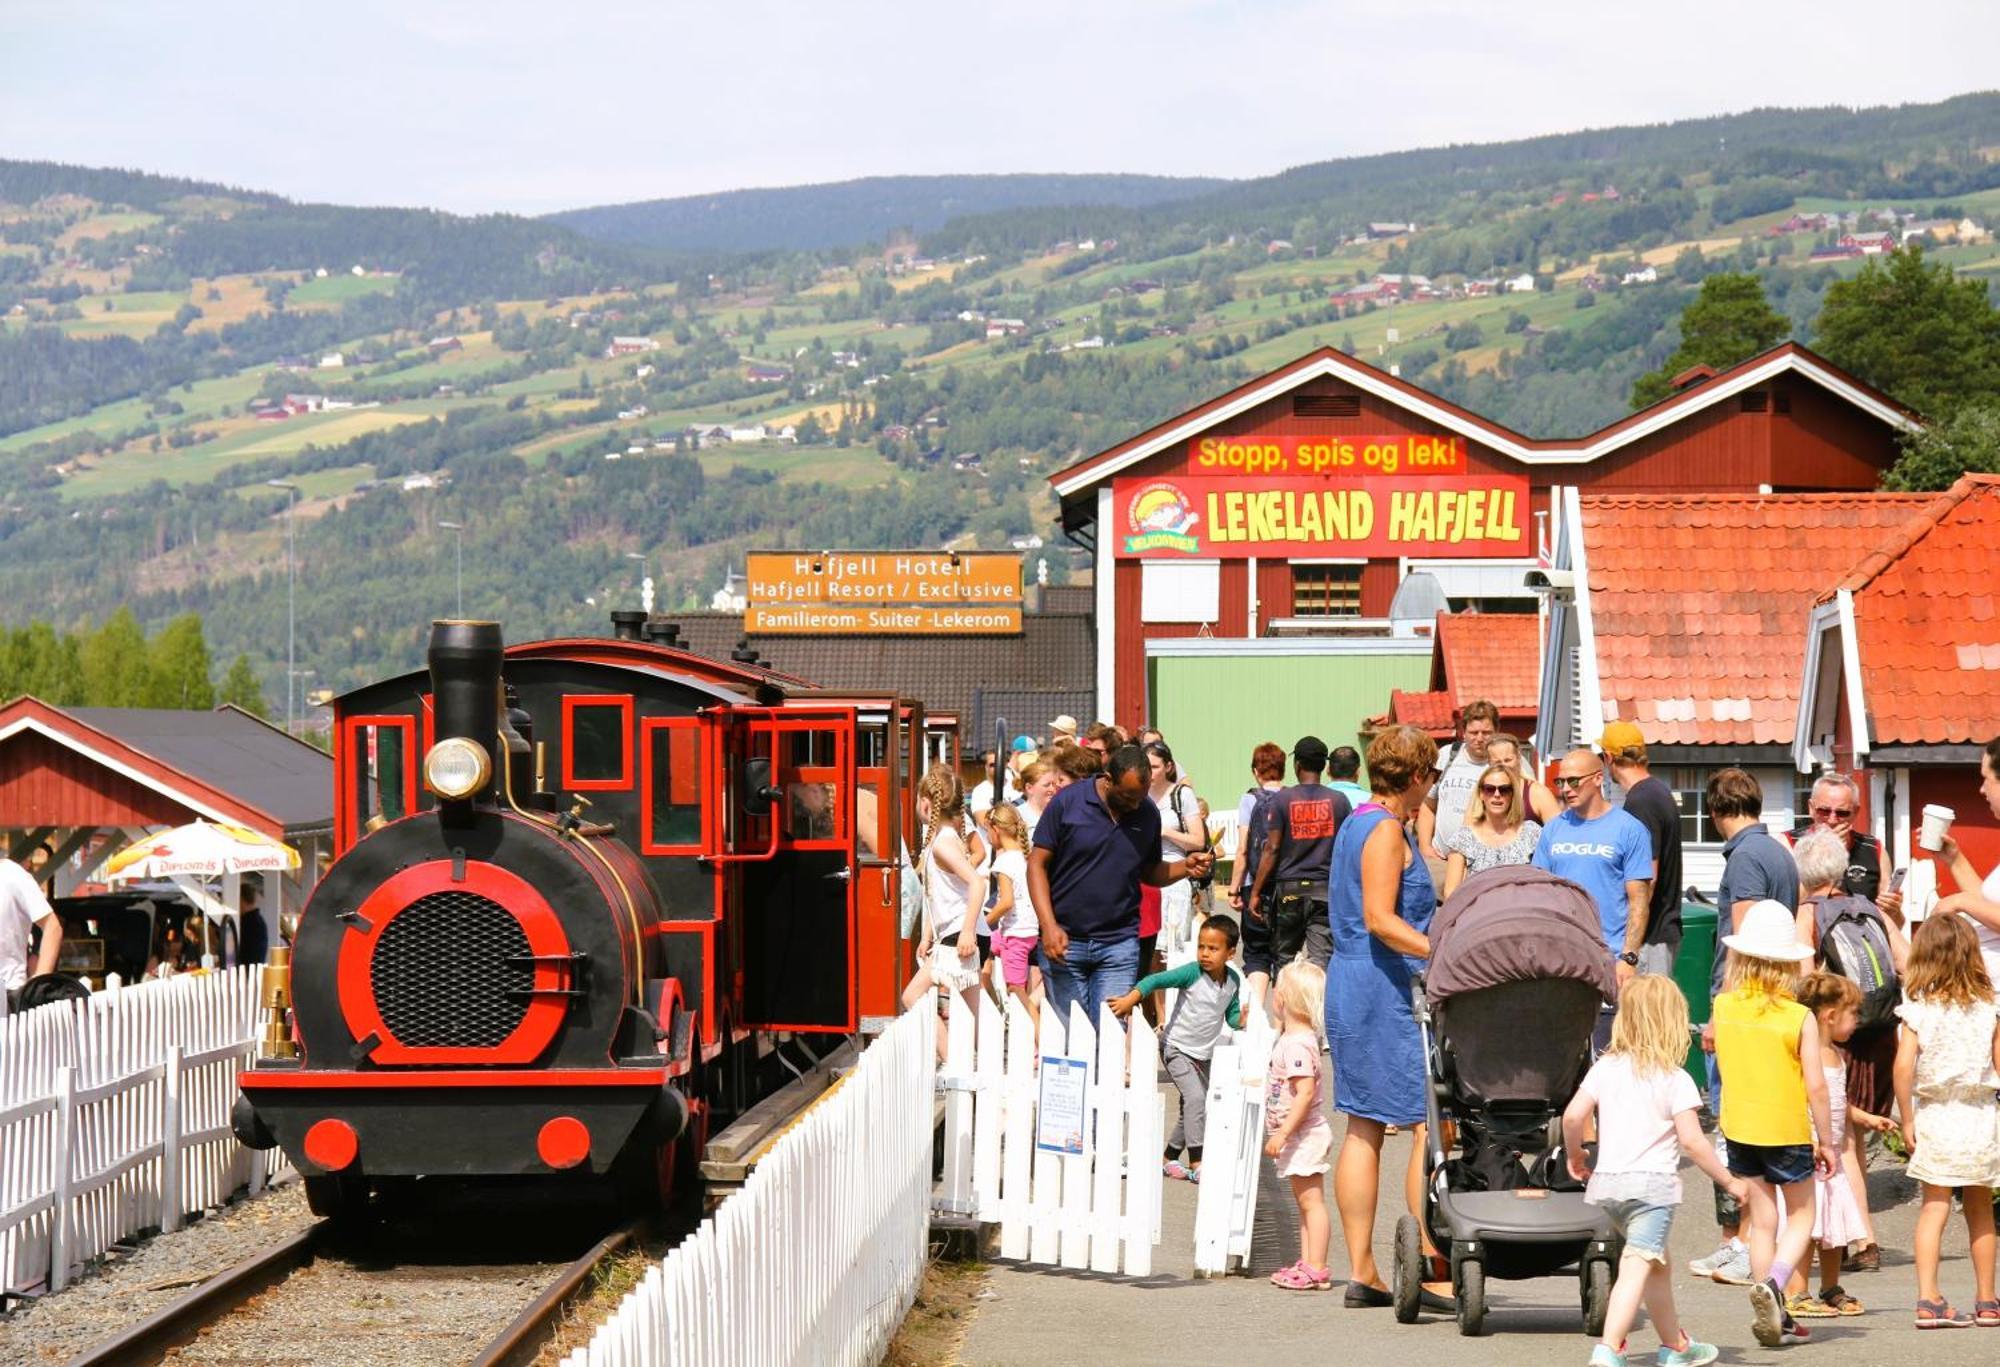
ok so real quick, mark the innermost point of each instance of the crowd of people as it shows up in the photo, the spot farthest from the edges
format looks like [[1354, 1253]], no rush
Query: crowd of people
[[1830, 1019]]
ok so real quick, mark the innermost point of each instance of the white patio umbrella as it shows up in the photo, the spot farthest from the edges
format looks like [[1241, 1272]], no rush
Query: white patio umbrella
[[191, 854]]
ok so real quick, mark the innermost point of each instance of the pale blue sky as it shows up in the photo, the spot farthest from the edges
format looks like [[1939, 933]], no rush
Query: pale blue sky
[[477, 105]]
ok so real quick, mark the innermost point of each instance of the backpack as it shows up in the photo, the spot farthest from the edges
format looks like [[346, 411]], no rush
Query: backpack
[[1251, 848], [1180, 819], [1854, 943]]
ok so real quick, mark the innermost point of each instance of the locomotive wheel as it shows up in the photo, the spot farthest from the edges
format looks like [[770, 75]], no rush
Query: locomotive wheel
[[339, 1199]]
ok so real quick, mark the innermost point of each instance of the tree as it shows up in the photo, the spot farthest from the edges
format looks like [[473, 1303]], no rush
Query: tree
[[1915, 331], [177, 667], [1934, 456], [241, 687], [115, 664], [1727, 322]]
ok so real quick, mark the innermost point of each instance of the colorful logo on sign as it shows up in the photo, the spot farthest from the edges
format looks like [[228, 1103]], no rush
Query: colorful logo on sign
[[1161, 518]]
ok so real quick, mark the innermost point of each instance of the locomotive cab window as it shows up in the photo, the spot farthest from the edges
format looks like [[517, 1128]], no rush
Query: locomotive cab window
[[673, 782], [597, 742], [810, 761], [379, 771]]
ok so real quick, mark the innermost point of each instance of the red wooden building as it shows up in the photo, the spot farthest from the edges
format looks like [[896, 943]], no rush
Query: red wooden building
[[1289, 510]]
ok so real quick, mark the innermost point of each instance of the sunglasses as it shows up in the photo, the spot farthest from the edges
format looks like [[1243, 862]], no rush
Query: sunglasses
[[1497, 789], [1576, 780], [1837, 813]]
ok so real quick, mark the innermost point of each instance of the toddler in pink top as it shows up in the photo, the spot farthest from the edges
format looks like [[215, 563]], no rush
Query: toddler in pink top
[[1297, 1134]]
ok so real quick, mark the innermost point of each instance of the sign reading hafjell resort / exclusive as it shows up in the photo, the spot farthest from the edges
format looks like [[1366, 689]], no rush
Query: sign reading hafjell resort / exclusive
[[873, 593], [1291, 496]]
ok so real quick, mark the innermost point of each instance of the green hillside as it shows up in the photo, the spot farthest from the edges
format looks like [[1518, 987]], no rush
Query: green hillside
[[843, 213], [593, 411]]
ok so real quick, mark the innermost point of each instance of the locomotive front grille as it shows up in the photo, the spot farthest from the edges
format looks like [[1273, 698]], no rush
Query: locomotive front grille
[[451, 971]]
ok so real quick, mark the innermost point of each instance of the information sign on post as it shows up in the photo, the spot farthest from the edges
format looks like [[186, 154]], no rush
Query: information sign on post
[[1060, 1117], [876, 593]]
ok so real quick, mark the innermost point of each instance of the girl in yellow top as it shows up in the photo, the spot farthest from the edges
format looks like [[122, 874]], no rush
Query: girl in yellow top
[[1772, 1105]]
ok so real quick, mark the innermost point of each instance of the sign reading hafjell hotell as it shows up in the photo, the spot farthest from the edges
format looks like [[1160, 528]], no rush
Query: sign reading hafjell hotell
[[913, 593], [1379, 495]]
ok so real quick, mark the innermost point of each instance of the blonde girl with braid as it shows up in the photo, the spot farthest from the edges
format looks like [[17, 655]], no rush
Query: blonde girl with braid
[[954, 892]]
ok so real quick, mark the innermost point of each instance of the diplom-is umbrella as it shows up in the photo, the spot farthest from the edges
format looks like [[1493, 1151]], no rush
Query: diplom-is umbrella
[[200, 849]]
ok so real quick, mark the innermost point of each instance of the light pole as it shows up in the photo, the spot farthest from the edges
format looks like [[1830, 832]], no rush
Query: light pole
[[457, 530], [645, 581], [291, 595]]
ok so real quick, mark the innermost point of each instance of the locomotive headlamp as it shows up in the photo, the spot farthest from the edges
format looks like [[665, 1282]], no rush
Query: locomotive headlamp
[[456, 768]]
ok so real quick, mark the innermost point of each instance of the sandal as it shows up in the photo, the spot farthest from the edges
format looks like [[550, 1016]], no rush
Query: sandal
[[1806, 1307], [1941, 1314], [1286, 1270], [1842, 1303], [1303, 1276], [1986, 1314]]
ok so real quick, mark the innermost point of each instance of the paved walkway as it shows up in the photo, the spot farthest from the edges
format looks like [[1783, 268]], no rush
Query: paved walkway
[[1045, 1317]]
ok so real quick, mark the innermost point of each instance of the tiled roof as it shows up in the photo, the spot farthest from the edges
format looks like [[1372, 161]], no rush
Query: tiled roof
[[1699, 603], [1432, 711], [1927, 618], [1055, 652], [1491, 655], [252, 761]]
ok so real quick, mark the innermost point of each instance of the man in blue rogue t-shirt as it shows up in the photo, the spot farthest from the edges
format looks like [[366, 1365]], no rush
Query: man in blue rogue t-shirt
[[1097, 840], [1605, 850]]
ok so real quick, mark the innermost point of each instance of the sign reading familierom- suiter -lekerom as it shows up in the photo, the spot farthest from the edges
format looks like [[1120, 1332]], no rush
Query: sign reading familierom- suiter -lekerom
[[807, 593], [1292, 515]]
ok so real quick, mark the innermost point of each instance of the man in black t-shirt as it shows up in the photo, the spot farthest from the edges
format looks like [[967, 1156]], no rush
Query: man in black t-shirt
[[1834, 806], [1652, 804], [1298, 852]]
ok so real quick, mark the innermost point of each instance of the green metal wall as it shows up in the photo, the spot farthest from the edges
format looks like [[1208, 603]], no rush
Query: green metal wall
[[1214, 710]]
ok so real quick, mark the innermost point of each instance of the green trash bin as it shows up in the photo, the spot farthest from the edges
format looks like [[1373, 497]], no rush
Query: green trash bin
[[1692, 967]]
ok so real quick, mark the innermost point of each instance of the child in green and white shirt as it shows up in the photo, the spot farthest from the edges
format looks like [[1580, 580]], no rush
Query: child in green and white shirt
[[1211, 994]]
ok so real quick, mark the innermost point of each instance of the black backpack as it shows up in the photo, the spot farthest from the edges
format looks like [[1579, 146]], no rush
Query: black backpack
[[1251, 849], [1854, 942]]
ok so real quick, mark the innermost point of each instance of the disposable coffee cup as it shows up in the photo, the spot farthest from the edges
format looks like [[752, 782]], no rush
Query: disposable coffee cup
[[1937, 820]]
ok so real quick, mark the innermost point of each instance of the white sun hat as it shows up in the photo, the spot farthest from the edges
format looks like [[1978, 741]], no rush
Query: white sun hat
[[1769, 932]]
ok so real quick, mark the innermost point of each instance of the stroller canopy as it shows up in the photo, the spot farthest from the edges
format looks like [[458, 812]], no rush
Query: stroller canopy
[[1517, 924]]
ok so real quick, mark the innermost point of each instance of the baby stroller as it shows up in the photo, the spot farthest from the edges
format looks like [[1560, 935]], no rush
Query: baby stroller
[[1518, 969]]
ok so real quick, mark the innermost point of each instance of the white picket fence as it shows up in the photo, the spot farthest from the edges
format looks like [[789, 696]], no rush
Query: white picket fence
[[114, 1118], [1099, 1209], [1233, 1148], [818, 1257]]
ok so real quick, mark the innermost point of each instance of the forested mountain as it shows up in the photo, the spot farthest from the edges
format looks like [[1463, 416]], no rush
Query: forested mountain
[[849, 212], [573, 414]]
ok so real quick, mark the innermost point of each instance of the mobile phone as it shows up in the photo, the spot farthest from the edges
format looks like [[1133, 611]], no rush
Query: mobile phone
[[1896, 880]]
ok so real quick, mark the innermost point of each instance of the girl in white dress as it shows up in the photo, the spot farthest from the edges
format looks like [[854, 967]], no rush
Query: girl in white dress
[[1947, 1070], [954, 882], [1835, 1002]]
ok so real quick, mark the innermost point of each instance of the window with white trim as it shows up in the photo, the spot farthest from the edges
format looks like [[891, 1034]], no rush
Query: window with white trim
[[1326, 590]]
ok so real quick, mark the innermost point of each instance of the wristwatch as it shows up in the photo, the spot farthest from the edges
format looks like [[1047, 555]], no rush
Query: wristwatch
[[1629, 957]]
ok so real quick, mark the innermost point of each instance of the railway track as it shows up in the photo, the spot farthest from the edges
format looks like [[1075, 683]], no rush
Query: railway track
[[313, 1300]]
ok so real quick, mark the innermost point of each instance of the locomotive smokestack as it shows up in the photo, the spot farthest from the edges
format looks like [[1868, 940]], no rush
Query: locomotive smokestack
[[465, 686], [626, 622]]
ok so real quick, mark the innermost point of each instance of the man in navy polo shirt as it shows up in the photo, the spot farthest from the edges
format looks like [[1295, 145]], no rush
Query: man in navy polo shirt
[[1097, 840]]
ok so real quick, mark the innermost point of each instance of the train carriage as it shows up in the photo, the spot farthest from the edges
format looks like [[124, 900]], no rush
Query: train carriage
[[582, 891]]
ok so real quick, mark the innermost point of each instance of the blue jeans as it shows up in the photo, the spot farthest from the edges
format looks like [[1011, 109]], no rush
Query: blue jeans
[[1093, 972]]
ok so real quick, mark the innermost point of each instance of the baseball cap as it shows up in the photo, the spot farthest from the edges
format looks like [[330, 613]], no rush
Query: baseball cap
[[1621, 735], [1065, 725], [1311, 752], [1022, 743]]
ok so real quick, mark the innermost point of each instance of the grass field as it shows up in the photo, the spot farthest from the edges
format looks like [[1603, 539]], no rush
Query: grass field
[[241, 297], [320, 483], [104, 225], [334, 290], [242, 439], [206, 397]]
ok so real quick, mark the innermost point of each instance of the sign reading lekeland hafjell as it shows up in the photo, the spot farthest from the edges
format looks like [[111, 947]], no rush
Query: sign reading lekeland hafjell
[[911, 593], [1289, 496]]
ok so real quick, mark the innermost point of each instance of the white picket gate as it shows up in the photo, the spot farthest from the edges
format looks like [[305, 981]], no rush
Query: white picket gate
[[819, 1255], [1099, 1209], [114, 1118], [1233, 1148]]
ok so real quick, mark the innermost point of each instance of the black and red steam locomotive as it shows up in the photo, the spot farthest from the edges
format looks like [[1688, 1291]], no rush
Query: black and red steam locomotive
[[582, 890]]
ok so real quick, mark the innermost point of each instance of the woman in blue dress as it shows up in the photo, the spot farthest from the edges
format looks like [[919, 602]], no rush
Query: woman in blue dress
[[1379, 905]]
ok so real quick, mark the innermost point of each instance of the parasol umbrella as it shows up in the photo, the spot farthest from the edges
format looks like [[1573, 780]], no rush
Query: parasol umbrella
[[188, 855]]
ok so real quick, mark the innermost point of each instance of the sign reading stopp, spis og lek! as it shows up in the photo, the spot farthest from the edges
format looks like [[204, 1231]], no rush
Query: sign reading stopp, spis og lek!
[[1289, 516]]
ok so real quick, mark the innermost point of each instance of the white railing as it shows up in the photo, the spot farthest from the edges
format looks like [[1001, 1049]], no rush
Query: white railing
[[818, 1257], [114, 1118], [1098, 1208], [1232, 1148]]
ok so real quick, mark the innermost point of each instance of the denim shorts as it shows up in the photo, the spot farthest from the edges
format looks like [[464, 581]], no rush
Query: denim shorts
[[1644, 1227], [1779, 1164]]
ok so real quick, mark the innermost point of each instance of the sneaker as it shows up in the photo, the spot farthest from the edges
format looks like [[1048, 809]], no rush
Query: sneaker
[[1769, 1320], [1601, 1356], [1175, 1169], [1735, 1270], [1705, 1267], [1689, 1354], [1868, 1259]]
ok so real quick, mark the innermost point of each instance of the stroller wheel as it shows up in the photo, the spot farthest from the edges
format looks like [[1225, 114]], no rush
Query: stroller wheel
[[1468, 1284], [1596, 1288], [1408, 1283]]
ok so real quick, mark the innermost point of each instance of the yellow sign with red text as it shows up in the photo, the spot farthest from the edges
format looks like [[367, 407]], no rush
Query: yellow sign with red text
[[1334, 457]]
